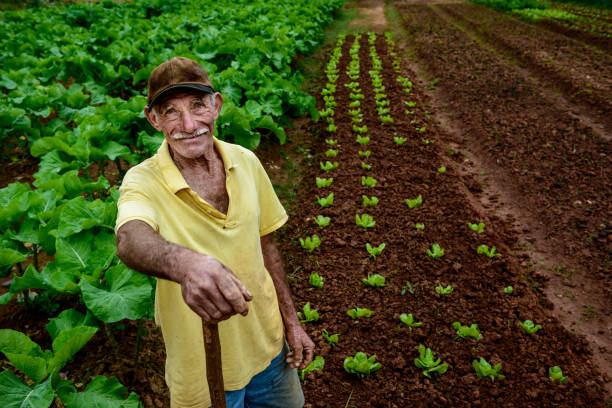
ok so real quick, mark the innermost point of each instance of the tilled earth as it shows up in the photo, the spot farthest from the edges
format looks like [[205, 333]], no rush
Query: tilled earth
[[405, 172]]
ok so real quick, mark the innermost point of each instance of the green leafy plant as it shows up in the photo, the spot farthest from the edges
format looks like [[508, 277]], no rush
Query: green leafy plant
[[375, 251], [484, 249], [368, 181], [479, 228], [426, 362], [508, 290], [365, 153], [369, 202], [358, 312], [409, 321], [309, 315], [415, 202], [440, 290], [366, 166], [363, 140], [484, 369], [556, 374], [331, 339], [331, 128], [419, 226], [331, 152], [442, 170], [410, 104], [435, 252], [326, 201], [376, 281], [365, 221], [467, 331], [399, 140], [324, 182], [360, 129], [331, 142], [386, 119], [322, 221], [408, 287], [361, 364], [315, 365], [328, 166], [315, 280], [310, 243], [529, 326]]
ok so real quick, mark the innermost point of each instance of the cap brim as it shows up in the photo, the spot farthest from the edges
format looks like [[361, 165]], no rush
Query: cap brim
[[175, 88]]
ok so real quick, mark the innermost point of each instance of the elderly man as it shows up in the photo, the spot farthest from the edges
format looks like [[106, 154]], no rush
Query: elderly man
[[199, 216]]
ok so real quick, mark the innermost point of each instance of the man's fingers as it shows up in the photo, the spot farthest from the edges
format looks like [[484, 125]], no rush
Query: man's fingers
[[307, 357], [296, 356], [245, 292]]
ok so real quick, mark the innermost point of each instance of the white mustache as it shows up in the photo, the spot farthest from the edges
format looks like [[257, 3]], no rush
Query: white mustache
[[187, 135]]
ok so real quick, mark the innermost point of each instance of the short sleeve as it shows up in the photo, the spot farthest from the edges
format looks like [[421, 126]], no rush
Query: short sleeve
[[272, 215], [134, 202]]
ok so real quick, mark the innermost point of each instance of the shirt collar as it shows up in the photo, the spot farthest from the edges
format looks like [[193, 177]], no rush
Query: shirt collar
[[172, 175]]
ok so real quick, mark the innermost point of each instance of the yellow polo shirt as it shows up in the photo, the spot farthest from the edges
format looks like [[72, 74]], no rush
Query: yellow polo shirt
[[155, 192]]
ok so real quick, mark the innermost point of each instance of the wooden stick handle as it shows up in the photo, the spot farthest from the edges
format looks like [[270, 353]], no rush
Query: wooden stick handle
[[214, 372]]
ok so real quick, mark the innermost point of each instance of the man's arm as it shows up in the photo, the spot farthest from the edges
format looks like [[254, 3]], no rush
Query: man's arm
[[208, 287], [302, 347]]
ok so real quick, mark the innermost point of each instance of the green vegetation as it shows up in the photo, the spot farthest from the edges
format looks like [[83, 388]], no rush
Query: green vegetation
[[467, 331], [529, 326], [308, 314], [358, 312], [361, 364], [509, 5], [310, 243], [556, 374], [326, 201], [375, 251], [409, 321], [369, 202], [414, 202], [440, 290], [484, 369], [428, 364], [375, 281], [324, 182], [331, 339], [490, 252], [322, 221], [365, 221], [435, 252], [315, 365], [315, 280]]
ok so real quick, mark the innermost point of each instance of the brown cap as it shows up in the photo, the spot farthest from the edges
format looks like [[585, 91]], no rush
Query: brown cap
[[176, 74]]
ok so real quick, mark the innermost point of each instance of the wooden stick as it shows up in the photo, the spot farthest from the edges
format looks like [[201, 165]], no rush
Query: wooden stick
[[214, 372]]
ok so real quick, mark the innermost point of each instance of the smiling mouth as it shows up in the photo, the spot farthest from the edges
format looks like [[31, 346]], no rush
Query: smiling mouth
[[193, 135]]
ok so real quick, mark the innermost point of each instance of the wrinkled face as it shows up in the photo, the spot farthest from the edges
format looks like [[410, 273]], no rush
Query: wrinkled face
[[187, 121]]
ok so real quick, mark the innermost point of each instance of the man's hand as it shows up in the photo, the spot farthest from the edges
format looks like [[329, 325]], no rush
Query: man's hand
[[302, 348], [212, 290]]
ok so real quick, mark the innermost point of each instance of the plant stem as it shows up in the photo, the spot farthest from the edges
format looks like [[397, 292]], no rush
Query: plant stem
[[112, 339]]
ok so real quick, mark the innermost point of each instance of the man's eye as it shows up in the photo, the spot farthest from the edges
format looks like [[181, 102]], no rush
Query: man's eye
[[169, 111], [198, 104]]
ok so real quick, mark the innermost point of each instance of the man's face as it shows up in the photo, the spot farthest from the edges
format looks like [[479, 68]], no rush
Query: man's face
[[187, 121]]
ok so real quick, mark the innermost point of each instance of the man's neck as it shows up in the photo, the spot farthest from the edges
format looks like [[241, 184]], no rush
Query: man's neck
[[203, 164]]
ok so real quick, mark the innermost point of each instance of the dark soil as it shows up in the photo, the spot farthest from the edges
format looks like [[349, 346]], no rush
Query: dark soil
[[405, 172]]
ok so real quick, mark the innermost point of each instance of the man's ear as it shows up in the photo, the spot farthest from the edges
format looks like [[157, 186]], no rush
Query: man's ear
[[152, 118], [218, 104]]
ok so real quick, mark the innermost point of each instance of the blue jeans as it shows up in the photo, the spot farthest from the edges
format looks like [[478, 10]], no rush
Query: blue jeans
[[278, 386]]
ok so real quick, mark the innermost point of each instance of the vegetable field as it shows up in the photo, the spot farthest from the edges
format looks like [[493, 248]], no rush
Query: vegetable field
[[448, 184]]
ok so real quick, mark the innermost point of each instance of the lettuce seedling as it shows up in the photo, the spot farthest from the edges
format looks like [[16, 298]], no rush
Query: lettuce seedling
[[365, 154], [309, 315], [322, 221], [356, 96], [384, 102], [331, 142], [399, 140], [316, 280], [328, 166], [383, 111], [366, 221], [410, 104], [415, 202], [331, 339], [369, 202], [356, 119], [409, 321], [555, 374], [409, 287], [479, 228], [375, 281], [358, 312], [355, 112], [386, 119], [361, 365], [375, 251], [315, 365], [324, 182], [428, 141], [508, 290], [465, 331], [436, 251], [529, 326], [363, 140], [368, 181], [442, 170], [352, 85], [484, 369], [310, 243], [360, 129], [326, 201], [427, 363], [331, 153], [329, 112], [419, 226], [421, 129], [484, 249], [366, 166], [440, 290], [331, 128], [354, 104]]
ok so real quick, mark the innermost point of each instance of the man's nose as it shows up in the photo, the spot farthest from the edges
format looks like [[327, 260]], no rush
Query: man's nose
[[189, 123]]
